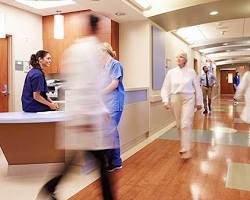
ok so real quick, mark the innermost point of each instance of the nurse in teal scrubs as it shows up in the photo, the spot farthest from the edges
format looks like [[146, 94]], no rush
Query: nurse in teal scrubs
[[114, 99], [34, 96]]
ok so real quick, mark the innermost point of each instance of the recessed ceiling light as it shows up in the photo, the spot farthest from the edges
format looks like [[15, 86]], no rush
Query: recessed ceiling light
[[120, 13], [214, 13], [42, 4], [142, 4]]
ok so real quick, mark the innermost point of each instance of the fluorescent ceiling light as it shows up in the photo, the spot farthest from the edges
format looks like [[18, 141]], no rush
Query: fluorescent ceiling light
[[190, 34], [214, 13], [42, 4], [142, 4]]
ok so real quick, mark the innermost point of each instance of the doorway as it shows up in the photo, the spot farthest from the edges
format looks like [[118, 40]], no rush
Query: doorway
[[226, 81], [4, 93]]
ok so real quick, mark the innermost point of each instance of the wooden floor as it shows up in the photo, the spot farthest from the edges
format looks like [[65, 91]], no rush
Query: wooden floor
[[157, 172]]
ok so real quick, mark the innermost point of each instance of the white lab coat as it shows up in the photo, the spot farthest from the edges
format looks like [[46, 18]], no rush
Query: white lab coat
[[244, 90], [84, 104]]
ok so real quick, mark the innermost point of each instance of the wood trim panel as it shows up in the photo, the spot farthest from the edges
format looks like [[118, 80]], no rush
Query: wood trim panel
[[75, 26]]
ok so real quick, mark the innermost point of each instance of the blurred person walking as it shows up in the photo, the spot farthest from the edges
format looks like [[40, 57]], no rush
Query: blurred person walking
[[207, 82], [244, 90], [88, 127], [114, 99], [180, 92]]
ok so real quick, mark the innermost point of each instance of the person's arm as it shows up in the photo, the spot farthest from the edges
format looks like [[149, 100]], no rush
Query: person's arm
[[116, 74], [37, 96], [37, 82], [165, 91], [111, 87]]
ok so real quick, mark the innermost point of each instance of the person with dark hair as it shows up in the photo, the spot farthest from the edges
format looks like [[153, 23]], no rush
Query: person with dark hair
[[34, 97], [88, 127], [236, 81], [207, 81]]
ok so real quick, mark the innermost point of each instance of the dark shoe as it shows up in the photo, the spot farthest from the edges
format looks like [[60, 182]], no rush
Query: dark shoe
[[45, 195], [205, 112], [113, 168], [210, 109]]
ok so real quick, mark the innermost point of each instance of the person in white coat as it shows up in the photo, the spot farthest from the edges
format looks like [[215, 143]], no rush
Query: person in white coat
[[244, 90], [180, 92], [88, 126]]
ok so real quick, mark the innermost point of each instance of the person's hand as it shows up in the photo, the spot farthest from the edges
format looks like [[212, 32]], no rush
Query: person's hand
[[167, 106], [199, 107], [53, 106]]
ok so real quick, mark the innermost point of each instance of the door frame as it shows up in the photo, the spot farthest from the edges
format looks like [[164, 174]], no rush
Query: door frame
[[226, 69]]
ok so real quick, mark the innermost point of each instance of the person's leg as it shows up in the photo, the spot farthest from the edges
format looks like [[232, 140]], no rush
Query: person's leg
[[49, 188], [114, 155], [176, 109], [204, 93], [107, 189], [209, 96], [186, 123]]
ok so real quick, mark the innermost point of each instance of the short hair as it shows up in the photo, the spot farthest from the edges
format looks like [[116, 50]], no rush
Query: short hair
[[93, 23], [204, 67]]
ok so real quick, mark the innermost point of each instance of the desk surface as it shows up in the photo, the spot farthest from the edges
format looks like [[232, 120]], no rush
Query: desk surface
[[23, 117]]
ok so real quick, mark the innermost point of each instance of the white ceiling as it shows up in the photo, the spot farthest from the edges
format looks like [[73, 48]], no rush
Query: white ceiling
[[105, 7], [163, 6], [207, 38], [221, 41]]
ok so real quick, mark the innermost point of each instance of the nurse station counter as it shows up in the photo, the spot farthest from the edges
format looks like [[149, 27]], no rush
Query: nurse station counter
[[30, 138]]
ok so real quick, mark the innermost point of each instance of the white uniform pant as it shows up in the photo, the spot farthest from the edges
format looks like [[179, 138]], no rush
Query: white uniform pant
[[183, 108]]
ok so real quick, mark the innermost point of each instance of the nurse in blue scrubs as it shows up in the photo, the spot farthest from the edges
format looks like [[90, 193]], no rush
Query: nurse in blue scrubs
[[114, 99], [34, 97]]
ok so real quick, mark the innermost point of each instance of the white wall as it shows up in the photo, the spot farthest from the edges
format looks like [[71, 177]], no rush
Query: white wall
[[26, 31], [135, 53]]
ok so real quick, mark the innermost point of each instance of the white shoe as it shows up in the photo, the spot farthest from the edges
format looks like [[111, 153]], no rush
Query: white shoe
[[186, 155]]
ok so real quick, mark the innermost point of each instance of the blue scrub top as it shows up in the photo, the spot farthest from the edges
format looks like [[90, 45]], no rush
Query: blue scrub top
[[236, 80], [114, 100], [34, 82]]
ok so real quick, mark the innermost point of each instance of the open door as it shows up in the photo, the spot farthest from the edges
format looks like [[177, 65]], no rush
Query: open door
[[4, 93]]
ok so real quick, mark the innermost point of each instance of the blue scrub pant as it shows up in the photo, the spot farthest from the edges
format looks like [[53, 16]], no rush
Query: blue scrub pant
[[114, 155]]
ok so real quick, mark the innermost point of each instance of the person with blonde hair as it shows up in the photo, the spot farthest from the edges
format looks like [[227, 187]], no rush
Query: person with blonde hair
[[113, 94], [180, 92]]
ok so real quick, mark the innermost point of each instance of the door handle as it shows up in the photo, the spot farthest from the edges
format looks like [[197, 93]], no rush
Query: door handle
[[5, 91]]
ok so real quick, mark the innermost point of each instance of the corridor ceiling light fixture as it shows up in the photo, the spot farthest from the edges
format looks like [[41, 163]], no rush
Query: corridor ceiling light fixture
[[58, 26], [190, 34], [214, 13], [141, 4], [120, 14], [42, 4], [2, 25]]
